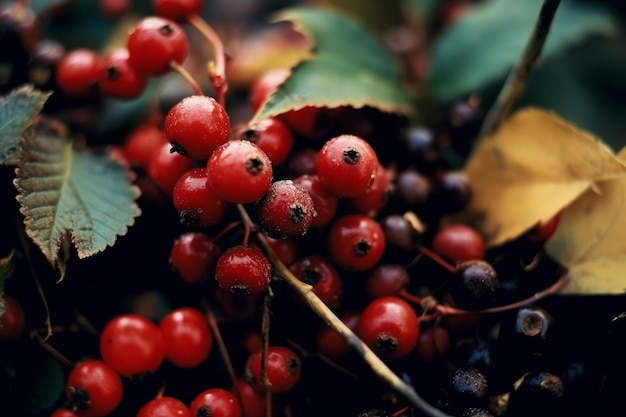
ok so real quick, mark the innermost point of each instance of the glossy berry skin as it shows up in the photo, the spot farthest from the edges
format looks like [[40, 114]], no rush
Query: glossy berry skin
[[239, 172], [188, 339], [459, 243], [177, 10], [196, 202], [386, 279], [215, 402], [196, 126], [77, 71], [434, 343], [194, 257], [474, 284], [117, 78], [286, 250], [132, 345], [283, 369], [265, 84], [375, 198], [285, 211], [94, 388], [389, 326], [325, 203], [253, 403], [164, 407], [355, 242], [142, 143], [13, 320], [272, 136], [319, 272], [154, 42], [302, 162], [165, 168], [243, 270], [330, 343], [346, 165]]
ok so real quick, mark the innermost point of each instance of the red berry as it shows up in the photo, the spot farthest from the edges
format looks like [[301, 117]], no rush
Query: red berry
[[63, 412], [330, 343], [355, 242], [319, 272], [386, 279], [346, 166], [114, 9], [164, 407], [325, 203], [389, 326], [12, 320], [286, 210], [543, 231], [283, 369], [243, 270], [165, 168], [93, 388], [272, 136], [265, 84], [375, 198], [215, 402], [286, 250], [196, 126], [118, 79], [188, 339], [302, 162], [253, 403], [177, 10], [132, 345], [196, 202], [309, 122], [194, 256], [142, 143], [239, 172], [459, 243], [434, 342], [154, 42], [77, 72]]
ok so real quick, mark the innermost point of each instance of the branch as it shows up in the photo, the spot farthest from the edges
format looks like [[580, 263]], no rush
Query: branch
[[517, 79]]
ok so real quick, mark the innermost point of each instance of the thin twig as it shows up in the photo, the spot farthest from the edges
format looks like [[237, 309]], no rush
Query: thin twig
[[187, 76], [517, 79], [43, 342]]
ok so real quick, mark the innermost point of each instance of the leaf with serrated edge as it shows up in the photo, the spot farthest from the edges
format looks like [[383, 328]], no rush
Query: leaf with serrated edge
[[590, 242], [530, 169], [347, 67], [65, 193], [17, 111]]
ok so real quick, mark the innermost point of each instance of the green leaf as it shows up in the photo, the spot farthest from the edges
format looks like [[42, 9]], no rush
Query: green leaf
[[347, 67], [490, 38], [427, 9], [68, 196], [17, 111]]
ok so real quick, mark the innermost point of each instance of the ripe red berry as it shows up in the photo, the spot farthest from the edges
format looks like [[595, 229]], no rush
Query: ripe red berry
[[93, 388], [194, 256], [188, 339], [253, 403], [355, 242], [302, 162], [325, 203], [286, 210], [330, 343], [286, 250], [77, 71], [154, 42], [243, 270], [265, 84], [164, 407], [386, 279], [346, 165], [375, 198], [165, 168], [272, 136], [196, 202], [177, 10], [283, 369], [132, 345], [319, 272], [239, 172], [196, 126], [389, 326], [13, 320], [543, 231], [215, 402], [434, 343], [142, 143], [459, 243], [117, 78]]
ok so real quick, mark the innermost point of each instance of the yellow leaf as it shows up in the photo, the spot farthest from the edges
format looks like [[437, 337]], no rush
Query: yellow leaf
[[590, 242], [529, 170]]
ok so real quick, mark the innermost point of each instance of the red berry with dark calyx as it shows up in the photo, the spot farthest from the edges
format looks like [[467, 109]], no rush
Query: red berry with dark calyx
[[346, 165], [77, 71], [215, 402], [286, 210], [284, 369], [196, 202], [272, 136], [196, 126], [164, 407], [355, 242], [154, 42], [177, 10], [320, 273], [93, 388], [188, 338], [239, 172], [325, 202], [375, 198], [165, 168], [243, 270], [194, 256], [389, 326], [117, 78]]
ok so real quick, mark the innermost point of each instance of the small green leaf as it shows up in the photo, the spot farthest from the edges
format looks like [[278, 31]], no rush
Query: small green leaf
[[68, 196], [17, 111], [347, 67], [490, 38]]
